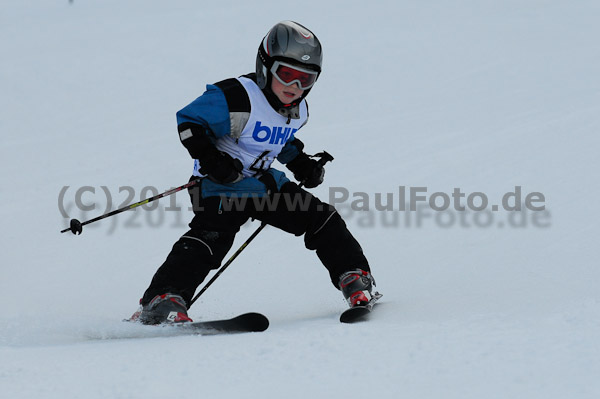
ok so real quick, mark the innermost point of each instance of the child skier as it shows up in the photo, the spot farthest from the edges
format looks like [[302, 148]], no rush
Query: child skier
[[234, 132]]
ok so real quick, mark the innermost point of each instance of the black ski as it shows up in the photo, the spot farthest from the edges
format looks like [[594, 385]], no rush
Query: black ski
[[361, 312], [247, 322]]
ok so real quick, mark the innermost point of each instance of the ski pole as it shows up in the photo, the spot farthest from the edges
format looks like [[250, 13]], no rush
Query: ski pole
[[226, 265], [76, 227], [324, 157]]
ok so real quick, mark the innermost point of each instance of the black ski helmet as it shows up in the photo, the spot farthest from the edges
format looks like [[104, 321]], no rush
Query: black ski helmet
[[289, 42]]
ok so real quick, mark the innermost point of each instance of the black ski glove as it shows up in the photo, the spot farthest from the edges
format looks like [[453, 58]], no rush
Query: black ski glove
[[306, 170], [219, 166]]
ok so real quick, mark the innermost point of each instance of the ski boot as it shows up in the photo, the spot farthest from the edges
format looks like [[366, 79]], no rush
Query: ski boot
[[357, 287], [163, 309]]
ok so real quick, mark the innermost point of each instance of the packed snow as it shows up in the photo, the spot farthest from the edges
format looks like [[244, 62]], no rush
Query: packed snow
[[483, 96]]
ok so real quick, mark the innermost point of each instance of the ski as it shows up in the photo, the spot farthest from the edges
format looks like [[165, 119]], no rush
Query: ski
[[361, 312], [247, 322]]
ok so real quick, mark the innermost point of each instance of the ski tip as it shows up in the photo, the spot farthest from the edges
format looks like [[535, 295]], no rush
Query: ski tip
[[257, 322], [354, 314]]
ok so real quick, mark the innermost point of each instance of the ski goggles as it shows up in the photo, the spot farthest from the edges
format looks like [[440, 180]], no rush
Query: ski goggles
[[288, 74]]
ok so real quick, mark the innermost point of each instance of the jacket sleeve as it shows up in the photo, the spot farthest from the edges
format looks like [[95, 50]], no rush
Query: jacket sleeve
[[290, 150], [210, 111]]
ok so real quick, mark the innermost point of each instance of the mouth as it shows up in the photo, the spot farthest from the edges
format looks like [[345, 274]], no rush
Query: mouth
[[289, 94]]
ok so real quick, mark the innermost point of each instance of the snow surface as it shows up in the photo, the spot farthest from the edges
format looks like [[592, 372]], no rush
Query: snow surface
[[479, 95]]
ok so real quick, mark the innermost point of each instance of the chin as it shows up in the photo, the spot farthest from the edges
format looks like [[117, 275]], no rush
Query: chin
[[288, 100]]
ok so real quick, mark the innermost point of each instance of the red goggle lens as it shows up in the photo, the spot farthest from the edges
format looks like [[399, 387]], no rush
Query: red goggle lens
[[288, 75]]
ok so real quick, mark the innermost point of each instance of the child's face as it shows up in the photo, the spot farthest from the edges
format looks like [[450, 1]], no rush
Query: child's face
[[286, 94]]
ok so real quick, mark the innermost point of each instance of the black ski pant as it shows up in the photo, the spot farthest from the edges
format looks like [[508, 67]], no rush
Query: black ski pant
[[217, 220]]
